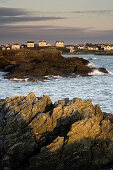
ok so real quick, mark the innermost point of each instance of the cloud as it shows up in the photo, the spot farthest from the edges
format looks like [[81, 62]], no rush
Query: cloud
[[16, 15], [12, 12], [3, 1], [9, 20], [93, 12], [52, 33]]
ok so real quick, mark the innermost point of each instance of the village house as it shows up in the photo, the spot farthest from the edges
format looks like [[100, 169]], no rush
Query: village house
[[107, 47], [93, 48], [23, 46], [81, 47], [30, 44], [8, 48], [59, 44], [15, 46], [8, 45], [3, 47], [43, 44], [49, 45], [71, 48]]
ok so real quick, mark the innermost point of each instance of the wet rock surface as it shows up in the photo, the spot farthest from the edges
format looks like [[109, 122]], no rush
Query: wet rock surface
[[39, 63], [69, 134]]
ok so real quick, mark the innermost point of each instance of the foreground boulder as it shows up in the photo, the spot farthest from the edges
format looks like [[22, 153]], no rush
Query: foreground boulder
[[69, 134]]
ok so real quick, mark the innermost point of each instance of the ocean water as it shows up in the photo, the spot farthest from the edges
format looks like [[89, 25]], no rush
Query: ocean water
[[97, 86]]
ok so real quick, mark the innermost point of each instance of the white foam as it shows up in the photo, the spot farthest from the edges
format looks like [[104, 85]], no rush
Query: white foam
[[110, 72], [57, 76], [19, 80], [96, 72], [90, 64], [94, 58]]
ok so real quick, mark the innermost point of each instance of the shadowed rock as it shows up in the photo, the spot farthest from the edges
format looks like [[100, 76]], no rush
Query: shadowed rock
[[40, 63], [36, 64], [69, 134]]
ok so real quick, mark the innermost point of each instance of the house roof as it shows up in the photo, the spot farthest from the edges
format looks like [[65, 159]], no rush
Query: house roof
[[59, 41], [30, 41], [42, 41]]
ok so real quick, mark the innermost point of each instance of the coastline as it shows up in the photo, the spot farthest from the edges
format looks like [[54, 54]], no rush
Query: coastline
[[88, 53], [38, 64]]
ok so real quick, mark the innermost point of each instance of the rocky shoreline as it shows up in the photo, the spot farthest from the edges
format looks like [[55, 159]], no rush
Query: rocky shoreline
[[68, 134], [41, 63]]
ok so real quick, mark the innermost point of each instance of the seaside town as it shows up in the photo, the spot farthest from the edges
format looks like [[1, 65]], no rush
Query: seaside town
[[59, 44]]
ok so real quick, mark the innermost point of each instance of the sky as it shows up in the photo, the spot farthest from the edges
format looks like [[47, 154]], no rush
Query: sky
[[73, 21]]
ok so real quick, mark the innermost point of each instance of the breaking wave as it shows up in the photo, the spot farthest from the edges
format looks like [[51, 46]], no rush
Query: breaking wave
[[98, 72], [90, 64], [19, 80]]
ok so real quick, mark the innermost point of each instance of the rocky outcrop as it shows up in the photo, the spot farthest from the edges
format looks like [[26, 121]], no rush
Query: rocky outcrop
[[69, 134], [40, 63]]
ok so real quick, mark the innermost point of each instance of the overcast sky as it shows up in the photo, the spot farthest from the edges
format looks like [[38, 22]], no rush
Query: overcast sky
[[74, 21]]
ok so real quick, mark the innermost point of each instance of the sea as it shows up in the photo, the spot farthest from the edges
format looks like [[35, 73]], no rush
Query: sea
[[97, 86]]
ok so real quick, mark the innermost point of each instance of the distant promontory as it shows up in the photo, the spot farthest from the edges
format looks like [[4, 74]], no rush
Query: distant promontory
[[40, 63]]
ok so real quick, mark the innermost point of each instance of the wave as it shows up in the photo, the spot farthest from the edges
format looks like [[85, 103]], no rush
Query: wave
[[110, 72], [94, 58], [90, 64], [96, 72], [19, 80], [99, 72]]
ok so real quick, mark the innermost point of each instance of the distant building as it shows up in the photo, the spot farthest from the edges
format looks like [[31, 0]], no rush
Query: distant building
[[59, 44], [30, 44], [15, 47], [23, 46], [93, 48], [42, 43], [8, 45], [107, 47], [3, 47], [49, 45], [71, 48], [8, 48], [81, 47]]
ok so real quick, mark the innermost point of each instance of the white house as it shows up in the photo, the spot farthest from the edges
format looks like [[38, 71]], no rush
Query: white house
[[93, 48], [71, 48], [15, 47], [8, 48], [42, 43], [106, 47], [59, 44], [3, 47], [30, 44], [49, 45], [81, 47], [8, 45]]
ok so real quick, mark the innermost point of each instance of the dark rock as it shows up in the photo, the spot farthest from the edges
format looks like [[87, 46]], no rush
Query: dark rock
[[36, 134], [82, 70], [33, 63]]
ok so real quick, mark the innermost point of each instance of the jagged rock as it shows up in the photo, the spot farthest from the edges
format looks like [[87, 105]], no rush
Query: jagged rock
[[69, 134]]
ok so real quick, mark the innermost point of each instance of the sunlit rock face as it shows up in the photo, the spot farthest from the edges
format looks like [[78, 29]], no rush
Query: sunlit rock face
[[69, 134]]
